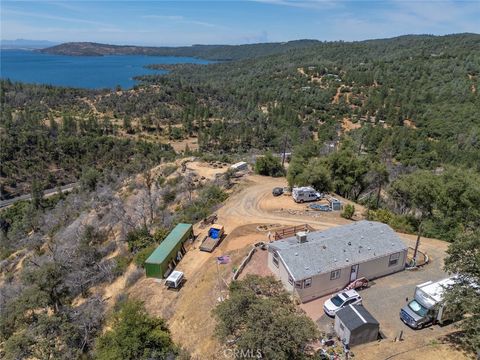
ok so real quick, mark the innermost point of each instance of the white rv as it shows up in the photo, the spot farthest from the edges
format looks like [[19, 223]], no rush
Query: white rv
[[426, 306], [304, 194]]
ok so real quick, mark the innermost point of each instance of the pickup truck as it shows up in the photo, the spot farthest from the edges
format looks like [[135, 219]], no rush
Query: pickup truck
[[214, 237]]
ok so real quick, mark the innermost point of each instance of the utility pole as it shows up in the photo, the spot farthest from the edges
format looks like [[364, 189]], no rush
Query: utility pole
[[284, 149], [219, 283], [417, 243]]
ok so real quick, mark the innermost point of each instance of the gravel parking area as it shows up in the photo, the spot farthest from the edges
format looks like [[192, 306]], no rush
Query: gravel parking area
[[387, 295]]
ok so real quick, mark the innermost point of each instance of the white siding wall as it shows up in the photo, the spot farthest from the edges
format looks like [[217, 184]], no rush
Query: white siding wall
[[341, 333], [322, 285], [280, 272]]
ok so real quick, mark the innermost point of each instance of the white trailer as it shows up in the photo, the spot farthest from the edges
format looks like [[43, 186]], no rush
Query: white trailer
[[174, 280], [239, 166]]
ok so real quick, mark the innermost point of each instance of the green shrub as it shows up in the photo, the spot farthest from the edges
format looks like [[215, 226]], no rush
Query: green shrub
[[143, 255], [139, 239], [121, 264], [169, 170], [134, 334], [201, 207], [90, 178], [348, 211], [269, 165], [401, 223]]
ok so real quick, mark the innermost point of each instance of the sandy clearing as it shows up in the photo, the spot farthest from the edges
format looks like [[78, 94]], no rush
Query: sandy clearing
[[181, 145]]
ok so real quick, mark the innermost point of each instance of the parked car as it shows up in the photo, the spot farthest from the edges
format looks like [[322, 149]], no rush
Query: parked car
[[340, 300], [277, 191]]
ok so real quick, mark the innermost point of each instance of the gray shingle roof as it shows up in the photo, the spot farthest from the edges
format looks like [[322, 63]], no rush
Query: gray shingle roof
[[337, 248], [355, 316]]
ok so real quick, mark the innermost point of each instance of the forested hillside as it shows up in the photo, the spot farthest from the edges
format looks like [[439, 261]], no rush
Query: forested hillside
[[211, 52], [407, 104], [392, 124]]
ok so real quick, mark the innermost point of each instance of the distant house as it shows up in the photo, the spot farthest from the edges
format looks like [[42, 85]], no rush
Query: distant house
[[314, 264], [170, 251], [354, 325]]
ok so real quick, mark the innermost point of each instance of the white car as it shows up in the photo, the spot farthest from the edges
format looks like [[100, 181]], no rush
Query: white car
[[341, 300]]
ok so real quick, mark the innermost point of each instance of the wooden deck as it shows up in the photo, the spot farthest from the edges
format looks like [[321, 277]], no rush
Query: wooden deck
[[291, 231]]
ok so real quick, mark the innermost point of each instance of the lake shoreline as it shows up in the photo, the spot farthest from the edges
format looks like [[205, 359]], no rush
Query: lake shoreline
[[84, 72]]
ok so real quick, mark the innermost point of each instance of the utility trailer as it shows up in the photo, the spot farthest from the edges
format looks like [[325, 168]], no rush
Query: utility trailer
[[175, 280], [214, 237]]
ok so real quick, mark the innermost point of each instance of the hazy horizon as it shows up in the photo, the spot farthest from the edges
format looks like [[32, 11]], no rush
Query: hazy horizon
[[184, 23]]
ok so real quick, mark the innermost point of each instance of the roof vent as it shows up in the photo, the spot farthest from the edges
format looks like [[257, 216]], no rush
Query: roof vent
[[361, 236], [324, 247], [306, 267], [350, 243], [346, 259], [335, 260], [369, 248], [301, 237], [296, 254]]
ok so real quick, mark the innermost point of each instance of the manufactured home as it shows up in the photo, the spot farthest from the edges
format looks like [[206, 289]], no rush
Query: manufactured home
[[170, 251], [354, 325], [314, 264]]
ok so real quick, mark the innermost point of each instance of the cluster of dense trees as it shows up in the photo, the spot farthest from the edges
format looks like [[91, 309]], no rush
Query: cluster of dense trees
[[259, 318], [463, 260], [134, 334], [56, 151]]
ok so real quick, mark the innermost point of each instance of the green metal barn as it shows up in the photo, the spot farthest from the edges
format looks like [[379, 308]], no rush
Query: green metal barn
[[169, 252]]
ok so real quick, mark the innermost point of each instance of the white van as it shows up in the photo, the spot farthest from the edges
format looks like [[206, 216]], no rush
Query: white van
[[304, 194], [174, 280]]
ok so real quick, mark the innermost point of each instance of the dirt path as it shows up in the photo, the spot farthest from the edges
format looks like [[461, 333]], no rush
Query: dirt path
[[256, 204], [189, 311]]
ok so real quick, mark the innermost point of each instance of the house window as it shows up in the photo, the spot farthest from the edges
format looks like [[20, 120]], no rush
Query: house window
[[290, 280], [298, 284], [275, 258], [393, 259], [307, 282], [335, 274]]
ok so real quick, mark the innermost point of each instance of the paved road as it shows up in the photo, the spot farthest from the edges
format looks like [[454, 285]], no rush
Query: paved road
[[46, 193]]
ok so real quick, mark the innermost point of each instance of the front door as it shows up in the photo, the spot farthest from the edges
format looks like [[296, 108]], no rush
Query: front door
[[354, 273]]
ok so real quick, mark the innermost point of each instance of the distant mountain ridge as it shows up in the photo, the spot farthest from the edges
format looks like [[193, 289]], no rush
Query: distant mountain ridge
[[26, 44], [224, 52], [210, 52]]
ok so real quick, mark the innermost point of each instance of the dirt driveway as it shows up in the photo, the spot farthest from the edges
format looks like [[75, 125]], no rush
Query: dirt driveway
[[189, 311]]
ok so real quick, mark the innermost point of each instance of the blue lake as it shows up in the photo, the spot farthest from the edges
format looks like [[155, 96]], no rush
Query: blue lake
[[92, 72]]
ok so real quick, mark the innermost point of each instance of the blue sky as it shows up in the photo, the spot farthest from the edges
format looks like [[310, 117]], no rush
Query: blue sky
[[232, 22]]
